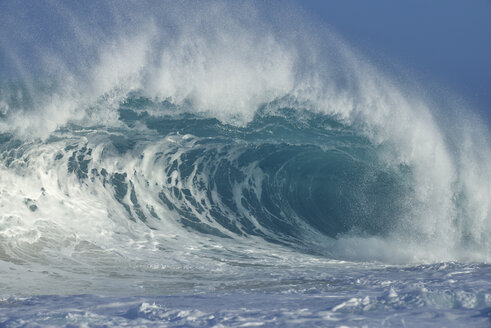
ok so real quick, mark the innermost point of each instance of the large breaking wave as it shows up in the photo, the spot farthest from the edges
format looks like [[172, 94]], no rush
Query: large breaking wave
[[169, 132]]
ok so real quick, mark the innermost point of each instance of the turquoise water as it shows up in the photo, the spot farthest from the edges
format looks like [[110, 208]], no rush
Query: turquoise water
[[292, 219], [177, 169]]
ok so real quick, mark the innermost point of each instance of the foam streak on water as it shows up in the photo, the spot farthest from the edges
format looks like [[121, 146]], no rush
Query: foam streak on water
[[347, 294]]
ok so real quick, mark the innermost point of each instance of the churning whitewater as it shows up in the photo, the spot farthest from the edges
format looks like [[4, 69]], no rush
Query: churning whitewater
[[184, 165]]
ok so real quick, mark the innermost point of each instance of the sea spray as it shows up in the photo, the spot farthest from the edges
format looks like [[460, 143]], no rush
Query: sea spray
[[179, 149]]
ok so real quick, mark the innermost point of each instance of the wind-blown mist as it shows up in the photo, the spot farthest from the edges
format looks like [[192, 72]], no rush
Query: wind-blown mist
[[150, 139]]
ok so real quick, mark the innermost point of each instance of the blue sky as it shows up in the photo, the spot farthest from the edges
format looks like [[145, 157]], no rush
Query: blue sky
[[444, 42]]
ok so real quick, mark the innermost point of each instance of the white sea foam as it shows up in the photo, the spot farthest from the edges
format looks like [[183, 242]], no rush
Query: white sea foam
[[219, 62]]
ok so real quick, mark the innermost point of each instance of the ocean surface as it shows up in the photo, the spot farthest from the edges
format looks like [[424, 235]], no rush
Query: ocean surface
[[175, 165]]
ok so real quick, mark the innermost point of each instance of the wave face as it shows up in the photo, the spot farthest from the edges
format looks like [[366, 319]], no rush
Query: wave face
[[281, 176], [176, 138]]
